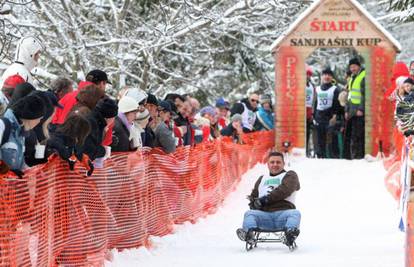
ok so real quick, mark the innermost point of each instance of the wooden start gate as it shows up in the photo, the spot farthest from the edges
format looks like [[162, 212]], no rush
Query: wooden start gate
[[334, 24]]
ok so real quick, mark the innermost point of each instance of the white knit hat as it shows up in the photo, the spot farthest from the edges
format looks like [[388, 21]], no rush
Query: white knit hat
[[127, 104], [137, 94]]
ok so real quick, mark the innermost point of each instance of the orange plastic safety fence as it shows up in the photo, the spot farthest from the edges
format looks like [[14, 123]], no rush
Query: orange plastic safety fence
[[392, 165], [58, 217], [409, 231]]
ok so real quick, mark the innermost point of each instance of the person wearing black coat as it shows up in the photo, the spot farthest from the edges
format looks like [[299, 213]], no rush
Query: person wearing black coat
[[247, 108], [102, 115], [68, 138], [39, 134], [122, 136]]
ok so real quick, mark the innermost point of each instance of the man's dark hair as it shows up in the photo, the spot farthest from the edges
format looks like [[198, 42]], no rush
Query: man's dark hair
[[276, 154], [173, 97], [60, 84]]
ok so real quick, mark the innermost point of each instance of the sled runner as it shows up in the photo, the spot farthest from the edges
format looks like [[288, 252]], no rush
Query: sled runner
[[265, 236]]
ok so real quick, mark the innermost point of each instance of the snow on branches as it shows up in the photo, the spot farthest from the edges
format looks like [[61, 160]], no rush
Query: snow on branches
[[212, 47]]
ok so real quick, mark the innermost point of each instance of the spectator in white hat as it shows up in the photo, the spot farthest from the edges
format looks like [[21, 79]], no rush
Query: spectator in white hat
[[121, 135], [138, 95]]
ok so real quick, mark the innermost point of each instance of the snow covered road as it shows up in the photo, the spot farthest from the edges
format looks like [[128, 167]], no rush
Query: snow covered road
[[348, 219]]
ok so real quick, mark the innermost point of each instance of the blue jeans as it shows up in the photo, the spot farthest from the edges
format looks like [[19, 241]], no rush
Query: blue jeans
[[276, 220]]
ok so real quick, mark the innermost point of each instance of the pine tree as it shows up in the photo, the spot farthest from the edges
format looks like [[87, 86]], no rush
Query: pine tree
[[404, 9]]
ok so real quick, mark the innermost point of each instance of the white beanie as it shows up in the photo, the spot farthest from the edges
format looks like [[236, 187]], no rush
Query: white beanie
[[137, 94], [127, 104]]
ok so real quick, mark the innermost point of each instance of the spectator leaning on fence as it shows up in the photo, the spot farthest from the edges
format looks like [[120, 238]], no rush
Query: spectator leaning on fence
[[123, 135], [223, 108], [265, 117], [68, 137], [21, 116], [210, 113], [151, 106], [247, 107], [164, 137], [234, 129], [99, 118], [36, 139]]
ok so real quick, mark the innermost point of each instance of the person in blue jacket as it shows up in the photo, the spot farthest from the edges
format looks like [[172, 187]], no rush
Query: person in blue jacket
[[264, 114]]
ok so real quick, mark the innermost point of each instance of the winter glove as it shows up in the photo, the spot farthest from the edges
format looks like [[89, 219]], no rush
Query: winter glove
[[71, 161], [65, 153], [260, 202], [18, 173], [90, 169], [408, 133], [87, 163], [251, 201]]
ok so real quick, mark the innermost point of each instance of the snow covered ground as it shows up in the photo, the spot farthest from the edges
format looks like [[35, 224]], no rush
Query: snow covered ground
[[348, 219]]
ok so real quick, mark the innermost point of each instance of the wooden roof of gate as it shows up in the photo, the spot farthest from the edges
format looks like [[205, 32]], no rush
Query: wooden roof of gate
[[343, 9]]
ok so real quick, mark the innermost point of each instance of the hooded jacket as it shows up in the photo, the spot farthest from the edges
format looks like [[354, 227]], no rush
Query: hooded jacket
[[24, 61], [265, 119], [68, 102]]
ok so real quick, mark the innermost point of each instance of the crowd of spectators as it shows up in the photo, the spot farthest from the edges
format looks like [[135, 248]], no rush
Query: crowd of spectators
[[82, 123]]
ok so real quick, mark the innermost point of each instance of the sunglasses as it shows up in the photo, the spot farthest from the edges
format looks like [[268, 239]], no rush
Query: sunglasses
[[254, 100]]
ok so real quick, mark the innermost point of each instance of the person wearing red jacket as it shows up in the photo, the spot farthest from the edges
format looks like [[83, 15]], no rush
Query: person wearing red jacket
[[97, 77], [398, 70]]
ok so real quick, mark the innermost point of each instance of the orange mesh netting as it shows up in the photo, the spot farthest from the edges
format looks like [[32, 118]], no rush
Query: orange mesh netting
[[409, 242], [392, 165], [55, 216]]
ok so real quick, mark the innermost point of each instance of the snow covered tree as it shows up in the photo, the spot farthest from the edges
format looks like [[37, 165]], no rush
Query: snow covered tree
[[404, 9], [9, 32], [208, 47]]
